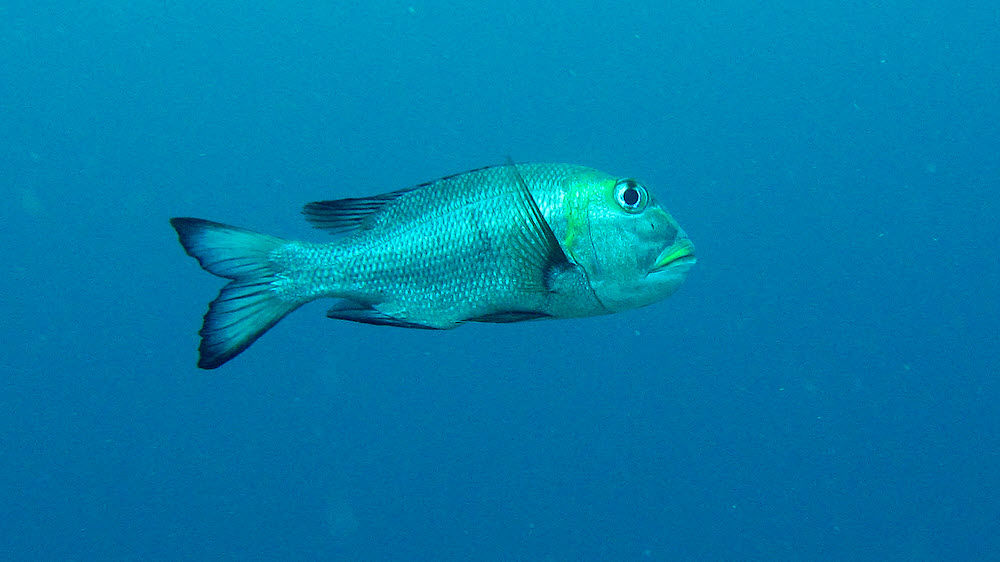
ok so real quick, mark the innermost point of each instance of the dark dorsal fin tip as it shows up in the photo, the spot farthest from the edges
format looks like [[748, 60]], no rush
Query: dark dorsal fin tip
[[342, 215]]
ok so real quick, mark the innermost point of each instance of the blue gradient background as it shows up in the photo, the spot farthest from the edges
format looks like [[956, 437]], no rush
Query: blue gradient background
[[823, 387]]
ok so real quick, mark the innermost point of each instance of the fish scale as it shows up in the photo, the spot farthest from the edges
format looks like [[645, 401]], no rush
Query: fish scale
[[496, 244], [412, 252]]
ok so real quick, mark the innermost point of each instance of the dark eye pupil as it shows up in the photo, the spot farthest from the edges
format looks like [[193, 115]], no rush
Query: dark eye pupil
[[630, 196]]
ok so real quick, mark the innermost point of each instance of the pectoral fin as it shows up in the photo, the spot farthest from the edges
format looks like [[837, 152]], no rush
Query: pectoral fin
[[535, 246]]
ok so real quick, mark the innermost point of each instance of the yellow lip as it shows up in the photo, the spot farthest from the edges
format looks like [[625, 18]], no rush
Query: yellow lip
[[679, 250]]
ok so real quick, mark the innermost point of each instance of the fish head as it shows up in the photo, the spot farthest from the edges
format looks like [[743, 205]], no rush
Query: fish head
[[633, 251]]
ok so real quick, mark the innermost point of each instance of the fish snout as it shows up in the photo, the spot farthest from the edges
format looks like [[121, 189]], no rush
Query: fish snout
[[680, 253]]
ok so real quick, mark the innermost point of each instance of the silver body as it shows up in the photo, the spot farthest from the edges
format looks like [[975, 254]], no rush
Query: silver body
[[498, 244]]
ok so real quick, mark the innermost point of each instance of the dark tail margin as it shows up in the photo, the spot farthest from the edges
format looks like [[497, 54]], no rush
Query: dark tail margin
[[246, 307]]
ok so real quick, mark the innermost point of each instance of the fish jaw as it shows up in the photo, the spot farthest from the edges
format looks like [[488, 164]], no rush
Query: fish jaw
[[678, 255]]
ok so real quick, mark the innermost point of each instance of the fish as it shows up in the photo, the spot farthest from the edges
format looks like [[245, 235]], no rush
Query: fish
[[498, 244]]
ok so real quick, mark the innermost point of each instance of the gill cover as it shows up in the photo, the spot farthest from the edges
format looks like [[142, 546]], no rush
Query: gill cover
[[626, 243]]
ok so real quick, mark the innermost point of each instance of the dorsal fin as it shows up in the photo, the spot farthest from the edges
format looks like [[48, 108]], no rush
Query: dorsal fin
[[337, 216], [343, 215]]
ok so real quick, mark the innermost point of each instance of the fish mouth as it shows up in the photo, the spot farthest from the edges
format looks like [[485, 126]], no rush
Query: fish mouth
[[680, 253]]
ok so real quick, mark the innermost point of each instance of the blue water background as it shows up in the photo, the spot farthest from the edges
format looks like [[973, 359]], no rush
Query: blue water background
[[824, 386]]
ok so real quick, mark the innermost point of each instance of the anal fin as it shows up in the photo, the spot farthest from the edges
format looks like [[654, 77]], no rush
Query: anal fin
[[365, 314], [509, 316]]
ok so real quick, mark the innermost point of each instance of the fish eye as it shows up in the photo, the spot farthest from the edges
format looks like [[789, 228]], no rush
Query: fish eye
[[631, 195]]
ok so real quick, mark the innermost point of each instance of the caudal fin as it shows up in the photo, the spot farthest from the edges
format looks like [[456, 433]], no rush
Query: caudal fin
[[246, 307]]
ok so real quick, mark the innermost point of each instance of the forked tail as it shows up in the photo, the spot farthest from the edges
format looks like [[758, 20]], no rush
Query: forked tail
[[246, 307]]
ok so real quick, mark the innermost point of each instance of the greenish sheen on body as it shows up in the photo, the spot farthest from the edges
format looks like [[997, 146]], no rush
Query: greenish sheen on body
[[497, 244]]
